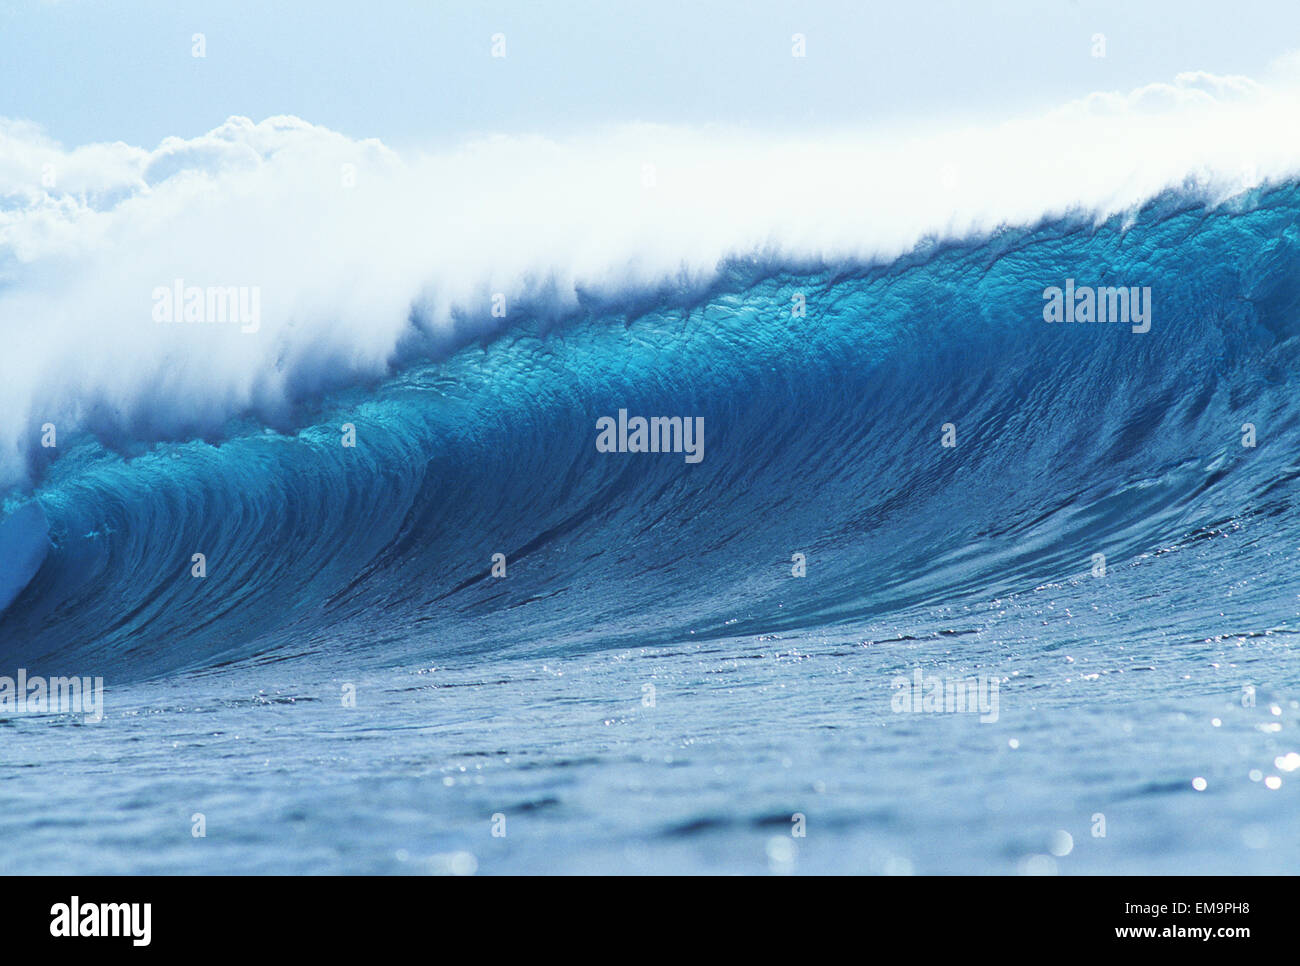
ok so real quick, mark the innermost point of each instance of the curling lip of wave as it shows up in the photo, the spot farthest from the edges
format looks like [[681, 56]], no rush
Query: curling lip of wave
[[357, 278], [824, 430]]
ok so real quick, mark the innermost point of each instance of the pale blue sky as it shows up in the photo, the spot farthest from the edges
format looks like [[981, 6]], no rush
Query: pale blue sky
[[420, 72]]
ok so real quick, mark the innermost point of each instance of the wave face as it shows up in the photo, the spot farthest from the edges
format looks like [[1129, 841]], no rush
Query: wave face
[[822, 437]]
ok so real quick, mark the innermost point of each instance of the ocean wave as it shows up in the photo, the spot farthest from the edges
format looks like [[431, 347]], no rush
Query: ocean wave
[[823, 433], [364, 260]]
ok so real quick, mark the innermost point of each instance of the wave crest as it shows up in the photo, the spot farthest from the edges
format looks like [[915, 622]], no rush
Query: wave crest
[[366, 258]]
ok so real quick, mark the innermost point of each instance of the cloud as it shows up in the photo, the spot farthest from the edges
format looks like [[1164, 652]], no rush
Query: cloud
[[1190, 92]]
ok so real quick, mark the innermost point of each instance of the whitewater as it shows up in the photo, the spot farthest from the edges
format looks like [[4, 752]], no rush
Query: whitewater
[[364, 589]]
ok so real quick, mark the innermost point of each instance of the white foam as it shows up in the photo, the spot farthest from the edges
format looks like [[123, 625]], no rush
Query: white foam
[[339, 267]]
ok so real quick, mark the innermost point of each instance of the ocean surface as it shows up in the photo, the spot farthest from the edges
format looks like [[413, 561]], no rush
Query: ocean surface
[[650, 688]]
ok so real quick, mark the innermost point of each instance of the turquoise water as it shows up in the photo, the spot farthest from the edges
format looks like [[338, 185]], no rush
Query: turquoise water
[[1156, 703]]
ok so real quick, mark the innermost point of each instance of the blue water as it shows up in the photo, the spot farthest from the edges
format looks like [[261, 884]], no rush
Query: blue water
[[335, 570]]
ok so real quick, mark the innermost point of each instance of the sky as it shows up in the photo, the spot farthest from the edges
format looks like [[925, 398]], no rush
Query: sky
[[420, 72]]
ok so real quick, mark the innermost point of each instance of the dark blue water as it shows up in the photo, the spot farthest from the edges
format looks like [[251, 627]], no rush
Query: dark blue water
[[1156, 704]]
